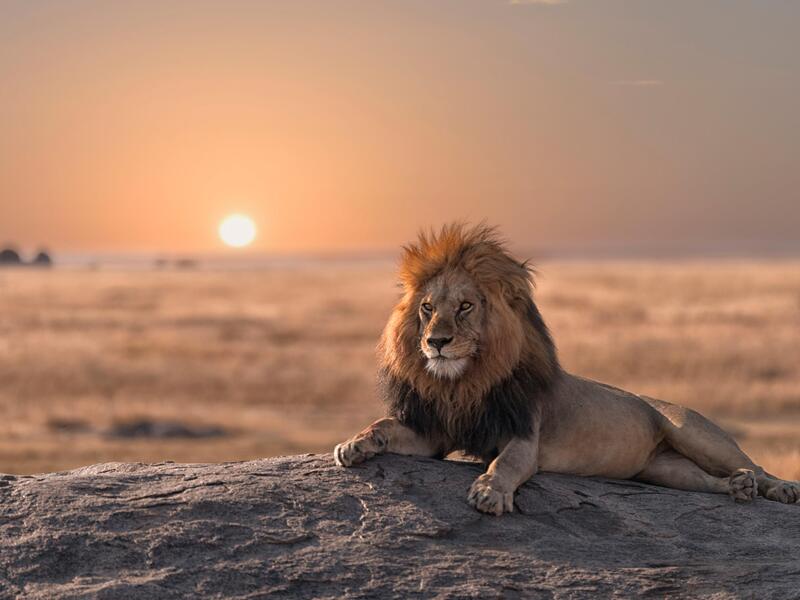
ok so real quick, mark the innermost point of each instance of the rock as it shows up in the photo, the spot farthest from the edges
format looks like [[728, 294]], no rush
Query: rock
[[42, 259], [148, 428], [300, 527], [186, 263], [9, 256]]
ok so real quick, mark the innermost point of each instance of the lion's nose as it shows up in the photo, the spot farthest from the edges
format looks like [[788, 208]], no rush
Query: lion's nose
[[439, 342]]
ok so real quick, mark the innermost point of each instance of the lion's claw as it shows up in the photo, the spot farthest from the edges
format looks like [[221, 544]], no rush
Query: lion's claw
[[485, 497]]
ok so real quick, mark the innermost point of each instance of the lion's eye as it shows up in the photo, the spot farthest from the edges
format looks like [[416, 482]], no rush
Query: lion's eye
[[427, 307], [465, 306]]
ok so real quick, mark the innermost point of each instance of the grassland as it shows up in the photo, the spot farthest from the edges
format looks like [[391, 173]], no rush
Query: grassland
[[283, 359]]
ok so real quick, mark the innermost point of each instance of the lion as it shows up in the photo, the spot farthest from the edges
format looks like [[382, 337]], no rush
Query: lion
[[467, 364]]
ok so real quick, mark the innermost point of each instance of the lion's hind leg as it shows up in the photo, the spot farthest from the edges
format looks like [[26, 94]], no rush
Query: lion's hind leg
[[673, 470], [716, 452]]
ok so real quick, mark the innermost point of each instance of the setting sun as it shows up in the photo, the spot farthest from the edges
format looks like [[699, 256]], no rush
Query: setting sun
[[237, 231]]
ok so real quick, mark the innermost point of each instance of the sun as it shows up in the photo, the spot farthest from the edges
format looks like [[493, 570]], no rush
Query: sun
[[237, 230]]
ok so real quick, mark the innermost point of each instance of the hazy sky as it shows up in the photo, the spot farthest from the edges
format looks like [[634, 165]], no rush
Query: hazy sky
[[349, 124]]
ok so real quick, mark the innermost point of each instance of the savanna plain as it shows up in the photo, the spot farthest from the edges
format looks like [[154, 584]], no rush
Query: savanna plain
[[211, 366]]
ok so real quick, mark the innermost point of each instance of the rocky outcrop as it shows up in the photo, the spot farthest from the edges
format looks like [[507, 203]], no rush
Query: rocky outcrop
[[299, 527], [9, 256], [42, 259]]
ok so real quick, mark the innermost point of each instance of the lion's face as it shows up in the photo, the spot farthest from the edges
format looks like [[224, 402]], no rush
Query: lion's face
[[451, 313]]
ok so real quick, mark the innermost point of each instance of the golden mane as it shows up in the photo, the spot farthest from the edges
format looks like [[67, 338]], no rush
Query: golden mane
[[514, 334]]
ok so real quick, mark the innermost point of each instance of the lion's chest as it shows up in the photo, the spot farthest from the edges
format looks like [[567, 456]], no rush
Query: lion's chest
[[477, 429]]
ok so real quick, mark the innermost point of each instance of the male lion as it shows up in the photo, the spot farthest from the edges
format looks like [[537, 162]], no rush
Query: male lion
[[467, 364]]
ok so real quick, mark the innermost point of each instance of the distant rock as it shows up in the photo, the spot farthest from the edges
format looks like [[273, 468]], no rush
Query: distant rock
[[395, 527], [42, 259], [9, 256], [146, 428], [186, 263], [67, 425]]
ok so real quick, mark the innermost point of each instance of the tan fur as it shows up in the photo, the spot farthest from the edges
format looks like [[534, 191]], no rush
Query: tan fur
[[582, 427]]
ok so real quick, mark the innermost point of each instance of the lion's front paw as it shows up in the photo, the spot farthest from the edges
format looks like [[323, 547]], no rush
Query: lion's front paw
[[487, 498], [365, 445], [742, 485], [349, 453]]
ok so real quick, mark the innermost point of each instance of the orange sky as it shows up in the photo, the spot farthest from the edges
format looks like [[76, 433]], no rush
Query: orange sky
[[347, 125]]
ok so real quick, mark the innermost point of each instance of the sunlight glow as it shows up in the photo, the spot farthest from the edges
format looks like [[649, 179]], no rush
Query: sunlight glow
[[237, 231]]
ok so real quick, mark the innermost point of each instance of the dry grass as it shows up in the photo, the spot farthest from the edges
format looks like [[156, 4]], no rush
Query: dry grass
[[283, 359]]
